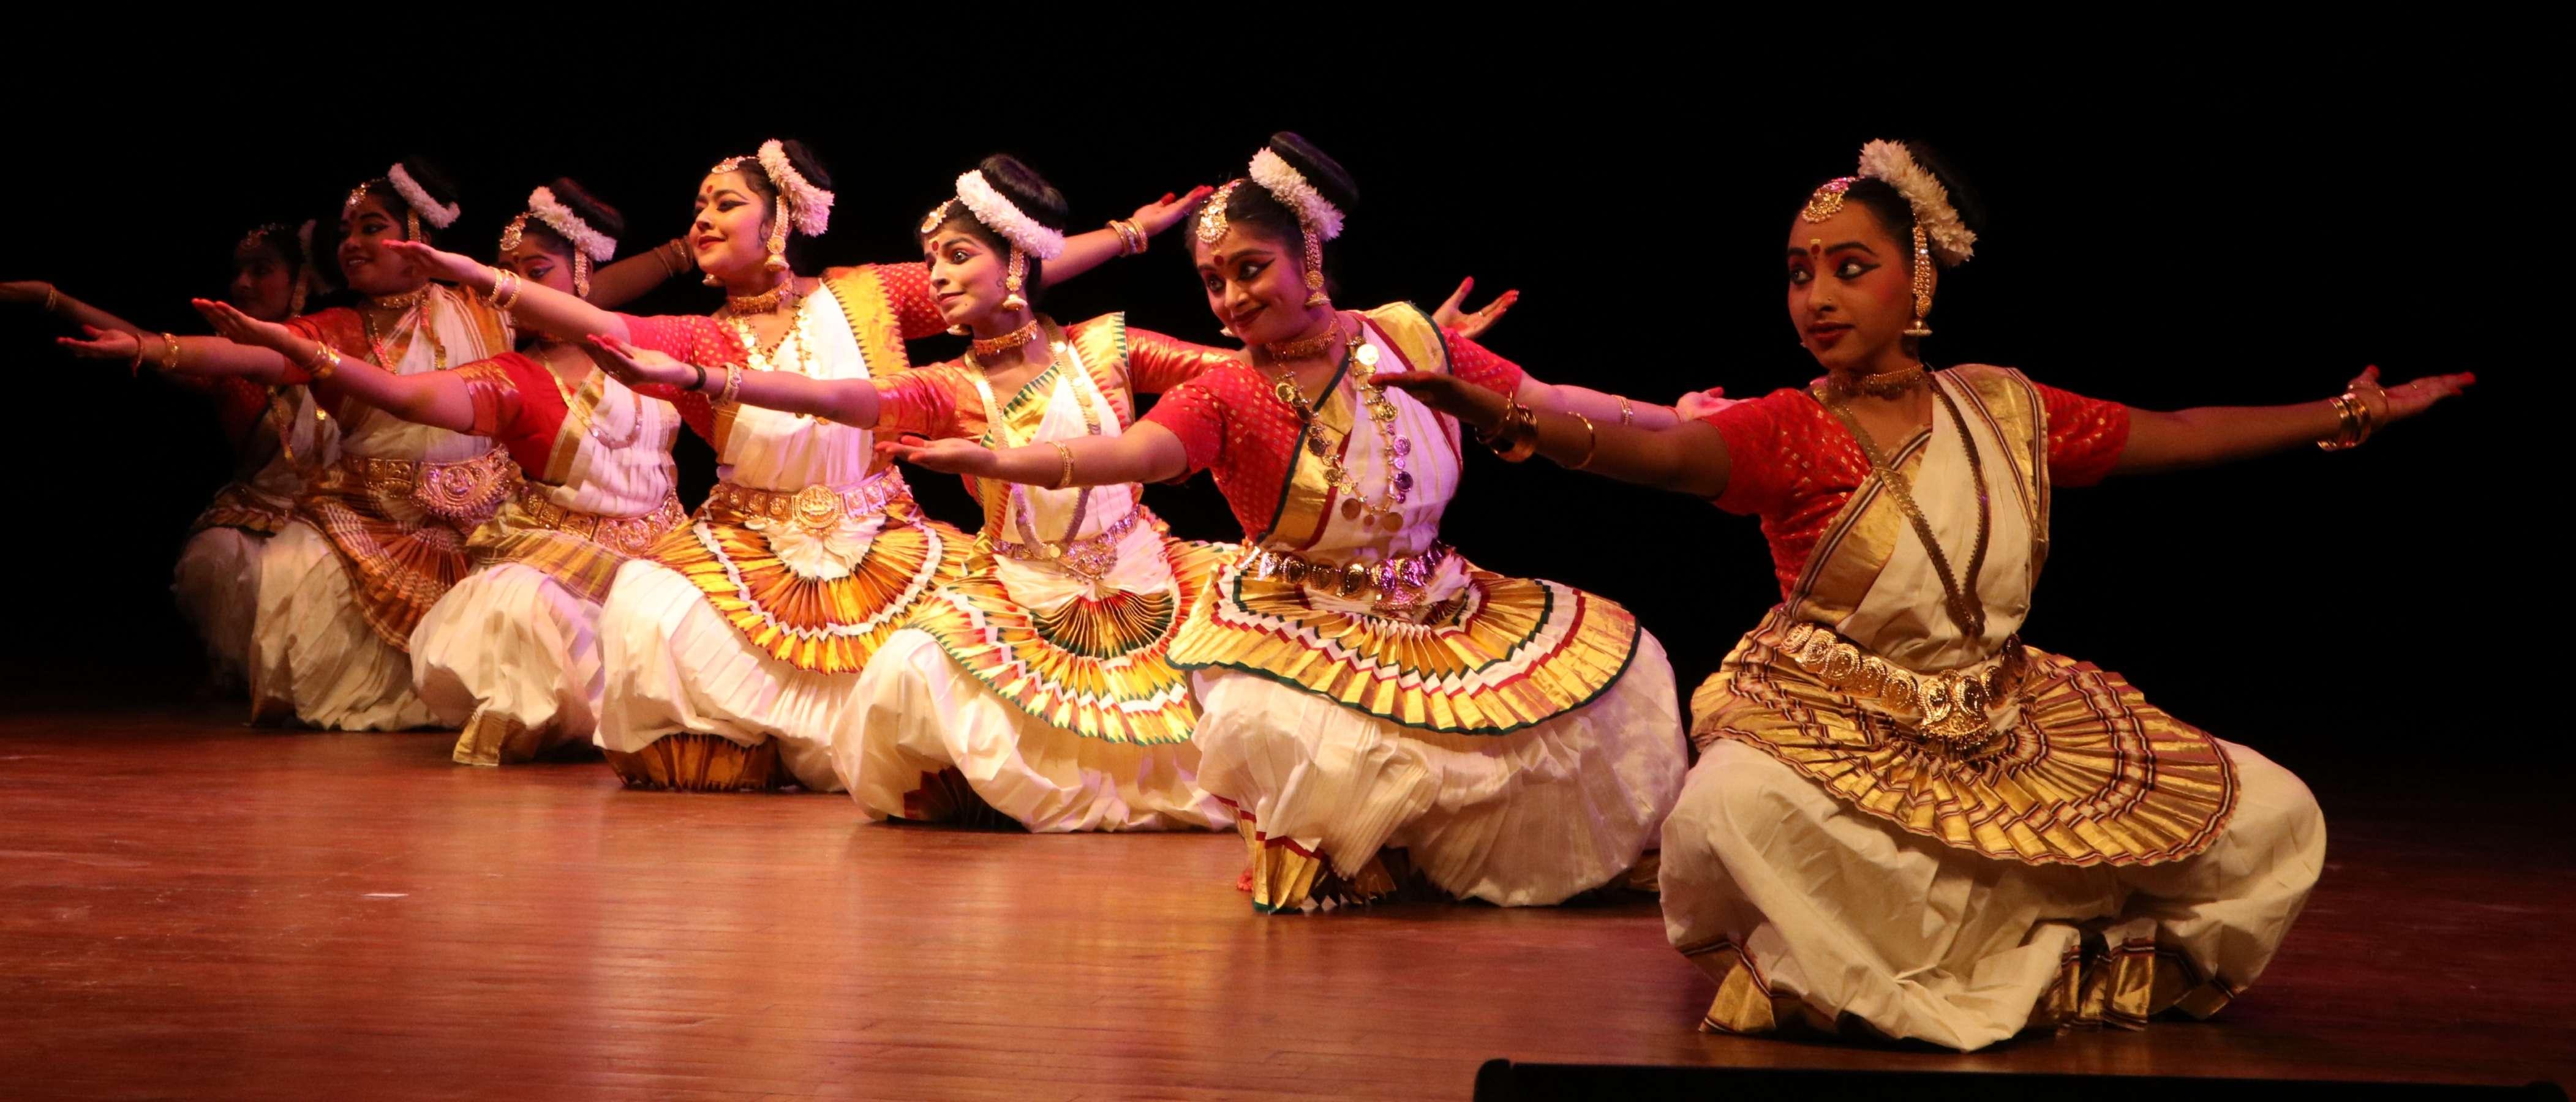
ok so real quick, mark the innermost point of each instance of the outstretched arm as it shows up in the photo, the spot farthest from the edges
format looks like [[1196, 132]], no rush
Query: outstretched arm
[[1689, 457], [624, 281], [850, 402], [1085, 251], [1147, 453], [543, 309], [186, 355], [2208, 435], [436, 398], [54, 303]]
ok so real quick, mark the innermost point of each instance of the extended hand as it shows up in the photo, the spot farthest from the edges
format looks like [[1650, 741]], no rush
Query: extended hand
[[241, 328], [1474, 406], [2397, 403], [1472, 325], [1701, 403], [639, 366], [102, 344], [1162, 214], [948, 456], [435, 263]]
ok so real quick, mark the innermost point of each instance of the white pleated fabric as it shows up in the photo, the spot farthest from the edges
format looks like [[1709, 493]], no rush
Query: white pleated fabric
[[1530, 818], [513, 643], [1932, 943], [313, 656], [924, 714], [217, 586]]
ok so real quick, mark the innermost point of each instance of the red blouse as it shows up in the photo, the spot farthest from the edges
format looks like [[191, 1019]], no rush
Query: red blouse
[[516, 403], [702, 340], [1792, 463], [1230, 423]]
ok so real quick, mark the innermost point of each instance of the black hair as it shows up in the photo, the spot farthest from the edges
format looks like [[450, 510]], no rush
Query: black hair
[[441, 189], [1895, 213], [278, 237], [802, 159], [585, 206], [1253, 205], [1026, 190]]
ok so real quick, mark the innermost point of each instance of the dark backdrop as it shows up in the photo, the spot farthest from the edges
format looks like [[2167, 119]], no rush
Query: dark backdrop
[[2246, 227]]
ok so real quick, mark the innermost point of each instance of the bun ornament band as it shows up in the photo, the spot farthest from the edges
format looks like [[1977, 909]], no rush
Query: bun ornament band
[[998, 213], [1318, 220], [1939, 232], [589, 246], [417, 203], [799, 203]]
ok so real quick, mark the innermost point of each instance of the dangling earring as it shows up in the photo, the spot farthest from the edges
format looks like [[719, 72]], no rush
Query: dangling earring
[[1315, 270], [1015, 281], [1922, 284], [777, 261], [580, 273]]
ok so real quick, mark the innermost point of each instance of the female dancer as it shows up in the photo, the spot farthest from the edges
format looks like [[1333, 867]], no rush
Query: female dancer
[[1372, 703], [379, 535], [1036, 688], [278, 436], [732, 654], [1902, 816], [511, 654]]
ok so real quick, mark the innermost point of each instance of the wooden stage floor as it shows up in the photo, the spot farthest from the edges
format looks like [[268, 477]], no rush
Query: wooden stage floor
[[192, 909]]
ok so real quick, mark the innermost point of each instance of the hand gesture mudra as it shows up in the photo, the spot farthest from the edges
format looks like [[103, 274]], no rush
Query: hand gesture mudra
[[1472, 324], [94, 343], [2397, 403], [241, 328], [437, 263], [1166, 212], [1701, 403], [640, 366], [951, 455]]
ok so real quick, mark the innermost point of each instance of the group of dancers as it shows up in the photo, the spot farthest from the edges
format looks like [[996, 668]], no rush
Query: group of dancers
[[1885, 814]]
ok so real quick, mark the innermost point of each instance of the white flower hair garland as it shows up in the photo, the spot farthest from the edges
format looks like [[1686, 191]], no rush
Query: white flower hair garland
[[1289, 186], [430, 210], [562, 220], [1951, 238], [810, 206], [1005, 217]]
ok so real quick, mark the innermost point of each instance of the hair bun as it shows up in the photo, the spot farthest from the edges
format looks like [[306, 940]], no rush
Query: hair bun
[[1322, 173], [431, 178], [1026, 190], [600, 216], [802, 156]]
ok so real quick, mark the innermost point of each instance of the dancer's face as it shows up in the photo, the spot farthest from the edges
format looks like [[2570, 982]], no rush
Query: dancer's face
[[263, 282], [541, 258], [1255, 283], [965, 274], [364, 228], [1851, 290], [731, 231]]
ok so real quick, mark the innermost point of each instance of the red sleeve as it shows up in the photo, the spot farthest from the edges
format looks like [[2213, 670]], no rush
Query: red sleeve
[[1194, 412], [916, 309], [922, 401], [1157, 363], [2085, 436], [688, 338], [1764, 440], [516, 403], [1473, 363]]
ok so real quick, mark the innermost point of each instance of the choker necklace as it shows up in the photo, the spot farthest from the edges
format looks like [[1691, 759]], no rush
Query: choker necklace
[[764, 302], [404, 301], [1300, 349], [1891, 384], [987, 349]]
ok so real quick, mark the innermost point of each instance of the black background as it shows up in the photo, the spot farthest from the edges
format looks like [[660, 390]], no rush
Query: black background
[[2244, 224]]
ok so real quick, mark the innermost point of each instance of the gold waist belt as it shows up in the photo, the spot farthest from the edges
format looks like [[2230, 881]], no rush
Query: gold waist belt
[[816, 508], [625, 535], [1088, 557], [1396, 581], [464, 489], [1952, 705]]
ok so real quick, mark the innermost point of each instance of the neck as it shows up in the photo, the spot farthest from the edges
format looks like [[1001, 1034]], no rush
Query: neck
[[1000, 322], [1892, 377], [757, 281], [404, 292], [1318, 323]]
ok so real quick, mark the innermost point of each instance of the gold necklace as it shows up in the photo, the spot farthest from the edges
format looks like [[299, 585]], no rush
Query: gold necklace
[[1386, 512], [403, 301], [1967, 607], [1308, 346], [414, 321], [988, 349], [1892, 384], [765, 302], [770, 359]]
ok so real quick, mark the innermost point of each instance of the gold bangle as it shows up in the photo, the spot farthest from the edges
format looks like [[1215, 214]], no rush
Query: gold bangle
[[733, 384], [1627, 412], [1515, 437], [1591, 441], [134, 367], [503, 277], [169, 352], [1063, 478], [2347, 425], [50, 296], [325, 362]]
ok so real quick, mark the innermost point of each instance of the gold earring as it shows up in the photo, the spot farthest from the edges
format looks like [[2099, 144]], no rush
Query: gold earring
[[777, 260], [580, 273], [1315, 271], [1013, 282], [1922, 284]]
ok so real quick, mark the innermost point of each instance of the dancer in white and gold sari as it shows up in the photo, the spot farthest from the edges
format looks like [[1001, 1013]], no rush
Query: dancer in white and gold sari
[[1380, 713], [1904, 821]]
